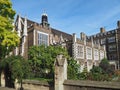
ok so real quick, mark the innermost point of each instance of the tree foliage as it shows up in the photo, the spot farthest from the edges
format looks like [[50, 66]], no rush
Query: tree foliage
[[6, 9], [41, 59], [84, 74], [17, 66], [107, 69], [103, 72], [8, 37], [72, 69], [97, 74]]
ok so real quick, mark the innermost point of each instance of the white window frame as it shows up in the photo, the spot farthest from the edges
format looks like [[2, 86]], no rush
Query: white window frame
[[102, 55], [112, 47], [88, 53], [103, 41], [111, 39], [80, 50], [38, 32], [96, 54]]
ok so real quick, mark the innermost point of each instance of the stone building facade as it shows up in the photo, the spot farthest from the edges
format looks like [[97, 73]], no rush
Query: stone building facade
[[111, 41], [32, 33], [86, 52]]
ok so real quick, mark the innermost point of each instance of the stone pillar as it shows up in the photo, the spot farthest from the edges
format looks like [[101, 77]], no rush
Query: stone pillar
[[60, 72], [17, 84], [2, 79]]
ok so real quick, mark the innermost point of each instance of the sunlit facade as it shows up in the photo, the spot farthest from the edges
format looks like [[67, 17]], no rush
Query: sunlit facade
[[87, 50]]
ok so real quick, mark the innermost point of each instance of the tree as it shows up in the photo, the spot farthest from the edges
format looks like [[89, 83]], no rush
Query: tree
[[8, 37], [41, 59], [84, 74], [72, 69], [96, 69], [107, 69], [96, 73], [16, 67], [103, 72], [6, 9]]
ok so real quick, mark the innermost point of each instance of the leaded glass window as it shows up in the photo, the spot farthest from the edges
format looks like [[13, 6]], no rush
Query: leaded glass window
[[42, 39]]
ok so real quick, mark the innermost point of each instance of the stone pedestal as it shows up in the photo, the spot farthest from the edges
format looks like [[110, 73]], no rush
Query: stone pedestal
[[2, 79], [17, 85], [60, 72]]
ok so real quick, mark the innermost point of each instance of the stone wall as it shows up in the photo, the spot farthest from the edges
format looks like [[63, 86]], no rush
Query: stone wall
[[90, 85], [72, 85], [36, 85]]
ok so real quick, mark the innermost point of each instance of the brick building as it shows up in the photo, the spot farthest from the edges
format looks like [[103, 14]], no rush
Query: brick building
[[83, 49], [111, 41], [86, 52], [33, 33]]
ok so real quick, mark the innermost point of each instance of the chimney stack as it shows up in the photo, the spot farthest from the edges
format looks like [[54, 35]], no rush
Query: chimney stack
[[74, 37], [118, 24], [82, 36], [102, 30]]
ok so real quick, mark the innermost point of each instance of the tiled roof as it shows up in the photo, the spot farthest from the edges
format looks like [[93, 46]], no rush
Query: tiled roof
[[58, 32], [53, 31]]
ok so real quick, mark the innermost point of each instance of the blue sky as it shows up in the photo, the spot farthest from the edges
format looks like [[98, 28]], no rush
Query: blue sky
[[72, 16]]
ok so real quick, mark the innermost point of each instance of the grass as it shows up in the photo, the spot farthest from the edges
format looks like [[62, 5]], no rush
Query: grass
[[41, 79]]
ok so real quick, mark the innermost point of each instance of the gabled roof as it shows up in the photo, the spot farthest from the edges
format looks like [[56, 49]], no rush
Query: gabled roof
[[53, 31], [29, 22]]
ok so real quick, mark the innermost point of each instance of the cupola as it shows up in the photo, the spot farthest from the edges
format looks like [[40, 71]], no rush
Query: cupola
[[44, 20]]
